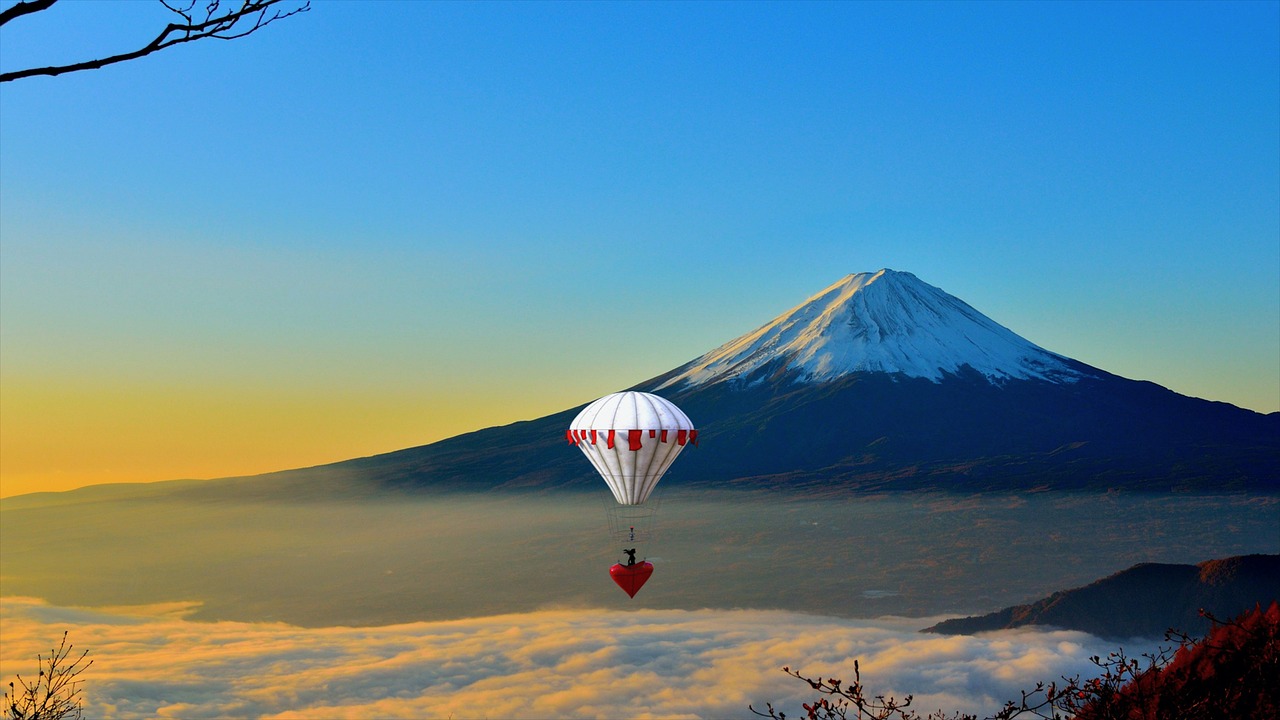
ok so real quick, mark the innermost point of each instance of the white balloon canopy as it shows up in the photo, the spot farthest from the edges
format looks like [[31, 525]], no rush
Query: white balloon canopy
[[631, 438]]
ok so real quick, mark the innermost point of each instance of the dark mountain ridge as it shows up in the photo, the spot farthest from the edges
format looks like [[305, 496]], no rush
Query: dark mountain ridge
[[1144, 600], [788, 406], [878, 383]]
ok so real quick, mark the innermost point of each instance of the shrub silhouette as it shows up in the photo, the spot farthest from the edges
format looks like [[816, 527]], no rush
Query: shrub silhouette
[[55, 693], [1233, 672]]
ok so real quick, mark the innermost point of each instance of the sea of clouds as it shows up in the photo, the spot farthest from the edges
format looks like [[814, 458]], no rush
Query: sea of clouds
[[152, 662]]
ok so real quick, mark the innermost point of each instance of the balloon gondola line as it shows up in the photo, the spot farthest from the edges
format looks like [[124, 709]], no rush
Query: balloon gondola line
[[631, 577]]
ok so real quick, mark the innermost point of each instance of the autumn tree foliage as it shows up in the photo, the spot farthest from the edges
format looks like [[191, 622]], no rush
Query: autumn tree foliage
[[1233, 672]]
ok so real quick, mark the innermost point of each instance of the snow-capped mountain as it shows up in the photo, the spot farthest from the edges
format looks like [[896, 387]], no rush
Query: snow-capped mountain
[[883, 382], [887, 321]]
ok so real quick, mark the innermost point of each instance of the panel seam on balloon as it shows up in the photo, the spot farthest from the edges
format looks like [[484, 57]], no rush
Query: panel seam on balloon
[[659, 459], [634, 457], [627, 479], [646, 483], [672, 449]]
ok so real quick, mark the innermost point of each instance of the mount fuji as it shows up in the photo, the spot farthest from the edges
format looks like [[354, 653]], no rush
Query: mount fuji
[[885, 322], [884, 382]]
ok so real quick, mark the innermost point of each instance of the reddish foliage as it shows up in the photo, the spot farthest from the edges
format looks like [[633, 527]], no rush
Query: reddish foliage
[[1233, 673]]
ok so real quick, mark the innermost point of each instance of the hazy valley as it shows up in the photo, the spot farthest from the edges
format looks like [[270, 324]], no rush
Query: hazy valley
[[406, 557]]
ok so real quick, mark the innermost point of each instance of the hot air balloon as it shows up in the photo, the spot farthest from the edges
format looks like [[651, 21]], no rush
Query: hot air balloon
[[631, 438]]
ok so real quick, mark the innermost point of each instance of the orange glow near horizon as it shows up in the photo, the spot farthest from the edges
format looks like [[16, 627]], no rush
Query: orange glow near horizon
[[56, 438]]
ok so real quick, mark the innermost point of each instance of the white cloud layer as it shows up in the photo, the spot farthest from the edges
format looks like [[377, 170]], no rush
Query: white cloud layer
[[562, 663]]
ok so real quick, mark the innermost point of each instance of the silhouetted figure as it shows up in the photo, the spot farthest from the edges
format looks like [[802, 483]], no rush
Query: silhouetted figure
[[631, 556]]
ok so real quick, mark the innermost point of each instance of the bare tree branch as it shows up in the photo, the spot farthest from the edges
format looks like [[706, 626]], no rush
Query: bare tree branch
[[55, 693], [26, 7], [253, 13]]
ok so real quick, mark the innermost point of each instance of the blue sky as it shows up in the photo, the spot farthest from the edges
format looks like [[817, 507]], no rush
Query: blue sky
[[382, 223]]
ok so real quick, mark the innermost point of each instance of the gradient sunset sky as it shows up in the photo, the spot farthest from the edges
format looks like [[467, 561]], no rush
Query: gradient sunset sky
[[379, 224]]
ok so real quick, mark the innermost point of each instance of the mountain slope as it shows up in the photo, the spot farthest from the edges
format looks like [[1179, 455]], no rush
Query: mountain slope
[[1144, 600], [883, 382], [888, 322]]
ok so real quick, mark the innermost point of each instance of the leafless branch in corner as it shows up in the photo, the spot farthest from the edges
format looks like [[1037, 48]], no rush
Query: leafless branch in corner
[[55, 693], [212, 22]]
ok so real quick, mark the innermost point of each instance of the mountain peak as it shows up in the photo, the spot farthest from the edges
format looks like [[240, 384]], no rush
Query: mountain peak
[[885, 321]]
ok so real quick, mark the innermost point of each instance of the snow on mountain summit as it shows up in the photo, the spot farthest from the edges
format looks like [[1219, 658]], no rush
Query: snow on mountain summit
[[887, 321]]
